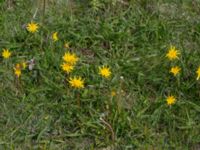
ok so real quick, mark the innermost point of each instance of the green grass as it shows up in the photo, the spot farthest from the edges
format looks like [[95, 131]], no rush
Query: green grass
[[40, 110]]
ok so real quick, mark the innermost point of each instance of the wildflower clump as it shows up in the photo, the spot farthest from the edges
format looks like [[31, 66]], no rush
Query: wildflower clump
[[32, 27], [70, 60], [104, 71], [19, 67], [6, 54]]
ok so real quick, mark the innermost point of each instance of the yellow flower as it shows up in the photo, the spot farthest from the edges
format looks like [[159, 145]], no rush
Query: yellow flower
[[104, 71], [55, 36], [76, 82], [70, 58], [172, 53], [67, 67], [171, 100], [17, 70], [198, 73], [66, 45], [17, 66], [6, 54], [175, 70], [24, 65], [113, 93], [32, 27]]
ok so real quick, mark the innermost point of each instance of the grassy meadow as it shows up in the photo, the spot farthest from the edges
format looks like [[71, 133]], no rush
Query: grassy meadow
[[99, 74]]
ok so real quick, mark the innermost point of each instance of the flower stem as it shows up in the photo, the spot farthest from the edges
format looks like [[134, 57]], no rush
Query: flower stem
[[78, 99], [44, 7]]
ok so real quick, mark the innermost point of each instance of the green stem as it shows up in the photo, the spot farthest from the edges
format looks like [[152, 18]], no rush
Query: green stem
[[44, 7], [78, 99]]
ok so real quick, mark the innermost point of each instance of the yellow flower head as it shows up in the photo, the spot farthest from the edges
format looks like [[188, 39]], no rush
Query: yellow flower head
[[171, 100], [76, 82], [67, 67], [17, 70], [66, 45], [55, 36], [175, 70], [198, 73], [32, 27], [24, 65], [70, 58], [113, 93], [6, 53], [104, 71], [17, 66], [172, 53]]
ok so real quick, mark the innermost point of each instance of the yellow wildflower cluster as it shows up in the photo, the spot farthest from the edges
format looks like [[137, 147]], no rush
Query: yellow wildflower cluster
[[70, 60], [174, 54], [6, 54], [18, 68]]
